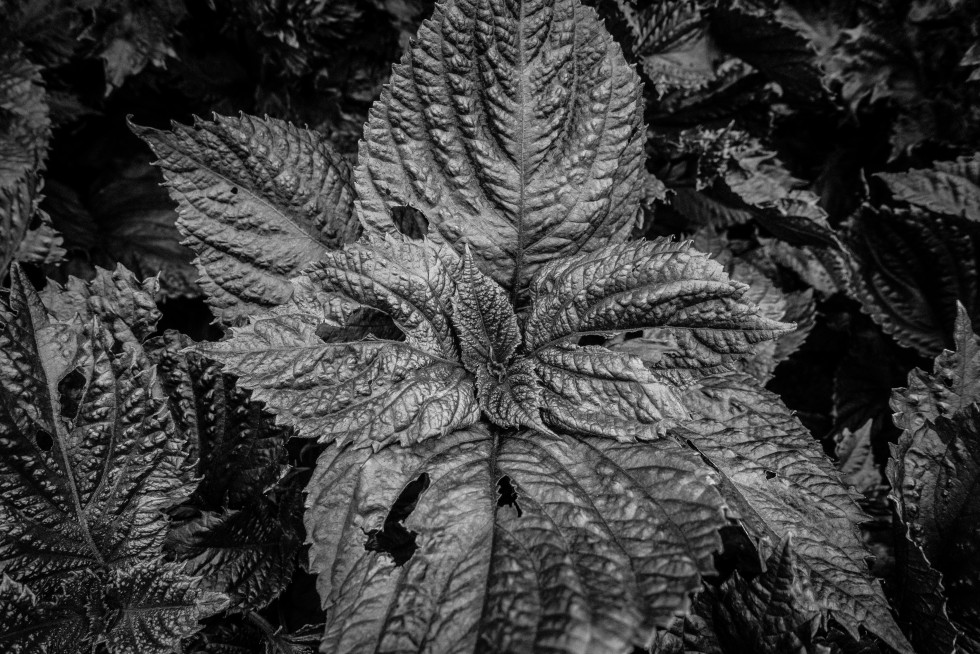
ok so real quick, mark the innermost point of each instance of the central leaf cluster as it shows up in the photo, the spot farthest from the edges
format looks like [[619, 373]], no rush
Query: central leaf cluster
[[465, 352]]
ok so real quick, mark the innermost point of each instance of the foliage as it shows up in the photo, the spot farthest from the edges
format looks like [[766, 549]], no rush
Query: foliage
[[526, 327]]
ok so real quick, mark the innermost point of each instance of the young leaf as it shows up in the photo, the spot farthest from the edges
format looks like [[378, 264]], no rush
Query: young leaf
[[516, 130], [777, 480], [258, 200], [609, 541], [19, 241]]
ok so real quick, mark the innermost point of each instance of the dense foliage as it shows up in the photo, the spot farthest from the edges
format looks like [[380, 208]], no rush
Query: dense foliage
[[509, 326]]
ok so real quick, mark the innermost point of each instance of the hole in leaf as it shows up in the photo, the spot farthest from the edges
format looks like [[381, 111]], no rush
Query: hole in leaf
[[234, 190], [70, 392], [410, 221], [770, 474], [44, 440], [591, 339], [394, 539], [361, 323], [507, 494]]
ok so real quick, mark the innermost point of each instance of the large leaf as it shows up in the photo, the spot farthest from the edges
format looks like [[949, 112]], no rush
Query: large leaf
[[32, 624], [516, 129], [602, 542], [776, 478], [74, 416], [90, 459], [258, 200]]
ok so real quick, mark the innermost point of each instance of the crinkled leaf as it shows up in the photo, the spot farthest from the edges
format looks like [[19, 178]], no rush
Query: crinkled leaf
[[240, 451], [951, 188], [777, 480], [25, 126], [763, 614], [257, 200], [934, 472], [596, 391], [116, 297], [856, 460], [29, 624], [149, 607], [484, 320], [606, 541], [90, 454], [368, 392], [26, 234], [642, 285], [413, 282], [910, 269], [515, 129], [248, 553]]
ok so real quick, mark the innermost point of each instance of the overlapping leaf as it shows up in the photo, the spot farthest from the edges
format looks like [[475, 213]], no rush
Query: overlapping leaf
[[371, 391], [258, 200], [910, 269], [26, 234], [934, 471], [90, 460], [25, 125], [779, 482], [608, 541], [950, 188], [515, 129]]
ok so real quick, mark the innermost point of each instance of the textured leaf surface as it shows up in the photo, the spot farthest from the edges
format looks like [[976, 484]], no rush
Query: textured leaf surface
[[116, 297], [72, 498], [911, 267], [30, 624], [607, 542], [25, 125], [642, 285], [151, 606], [951, 188], [516, 129], [371, 391], [258, 200], [779, 482], [934, 472]]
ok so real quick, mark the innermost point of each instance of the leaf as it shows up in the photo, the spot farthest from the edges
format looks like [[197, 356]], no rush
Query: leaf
[[26, 234], [370, 391], [25, 126], [910, 269], [515, 130], [609, 541], [952, 188], [151, 606], [117, 298], [642, 285], [257, 200], [29, 624], [240, 451], [248, 553], [856, 460], [774, 476], [75, 418], [507, 389], [763, 614], [933, 471]]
